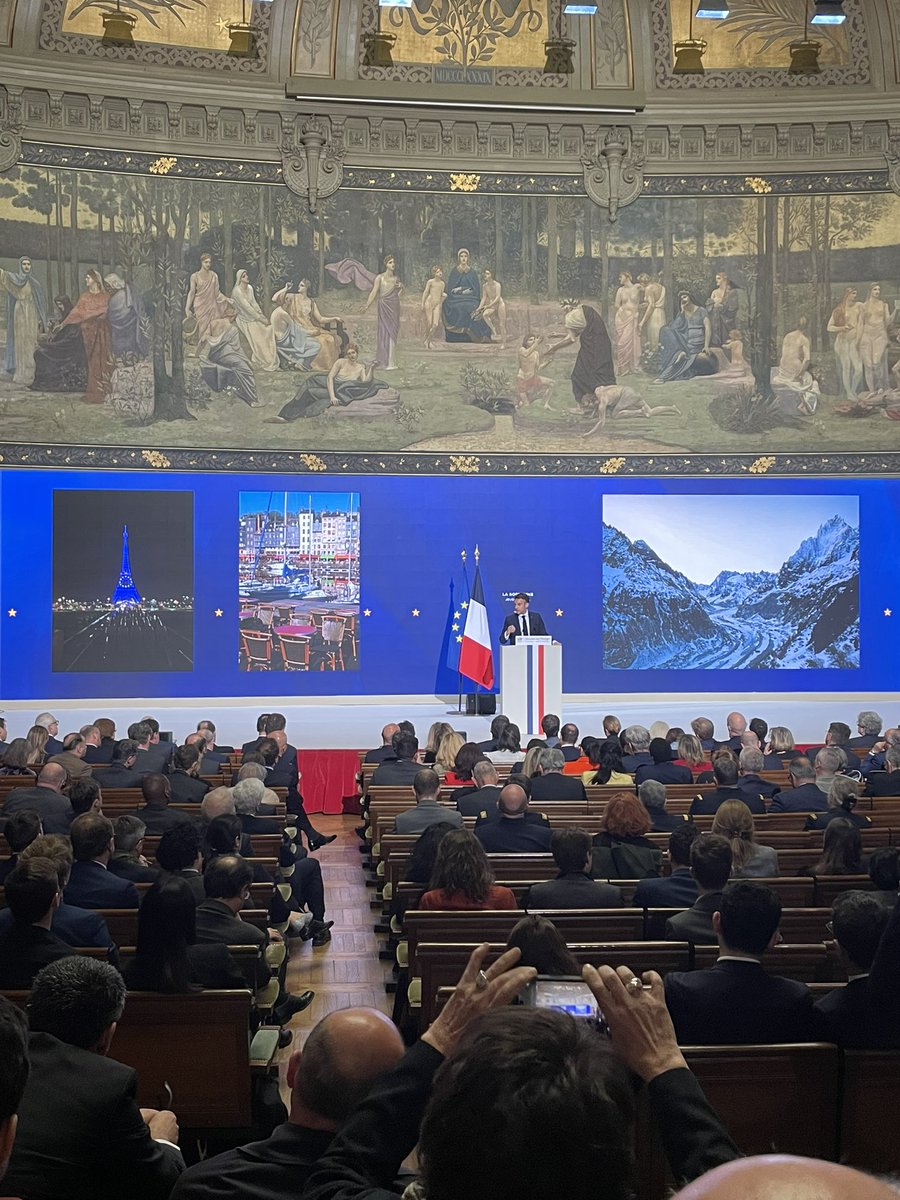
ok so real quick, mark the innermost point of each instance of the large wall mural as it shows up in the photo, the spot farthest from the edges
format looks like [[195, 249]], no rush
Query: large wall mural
[[157, 304]]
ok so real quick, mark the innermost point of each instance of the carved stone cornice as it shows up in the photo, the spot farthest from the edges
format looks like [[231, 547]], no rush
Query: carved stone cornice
[[613, 177], [315, 170]]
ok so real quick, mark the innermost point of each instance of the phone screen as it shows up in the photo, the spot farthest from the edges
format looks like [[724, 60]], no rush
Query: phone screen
[[564, 994]]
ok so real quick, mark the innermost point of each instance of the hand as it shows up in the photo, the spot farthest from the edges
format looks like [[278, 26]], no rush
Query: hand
[[163, 1127], [275, 936], [641, 1028], [468, 1001], [511, 628]]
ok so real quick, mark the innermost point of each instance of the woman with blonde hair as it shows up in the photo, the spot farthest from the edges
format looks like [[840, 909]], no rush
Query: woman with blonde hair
[[36, 738], [531, 762], [438, 730], [445, 758], [691, 754], [781, 742], [749, 860]]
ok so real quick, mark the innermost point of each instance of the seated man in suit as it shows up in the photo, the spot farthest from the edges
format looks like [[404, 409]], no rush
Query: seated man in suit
[[213, 746], [703, 728], [71, 757], [187, 787], [568, 742], [284, 772], [550, 728], [868, 728], [121, 771], [80, 1132], [856, 1017], [755, 737], [46, 798], [152, 754], [661, 767], [711, 861], [652, 795], [802, 795], [427, 811], [737, 1002], [522, 622], [73, 925], [14, 1056], [100, 737], [726, 776], [736, 724], [51, 724], [85, 795], [837, 737], [873, 760], [886, 782], [403, 768], [128, 860], [573, 886], [552, 784], [498, 724], [386, 749], [515, 830], [635, 741], [750, 763], [250, 747], [480, 800], [32, 896], [340, 1061], [155, 811], [179, 853], [92, 884], [678, 890], [20, 830], [884, 871], [210, 760]]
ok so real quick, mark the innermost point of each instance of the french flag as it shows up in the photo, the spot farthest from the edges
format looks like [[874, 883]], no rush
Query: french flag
[[476, 659]]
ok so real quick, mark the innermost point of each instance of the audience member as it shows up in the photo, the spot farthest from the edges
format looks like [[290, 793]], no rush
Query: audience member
[[530, 766], [607, 767], [843, 795], [436, 734], [420, 863], [51, 724], [75, 926], [15, 759], [186, 785], [509, 748], [886, 782], [209, 728], [20, 830], [84, 795], [726, 777], [13, 1077], [884, 871], [621, 850], [178, 853], [261, 720], [81, 1136], [121, 773], [711, 863], [737, 1001], [210, 762], [736, 724], [754, 791], [462, 877], [781, 744], [101, 741], [652, 795], [573, 886], [551, 783], [480, 800], [550, 728], [542, 946], [868, 727], [803, 795], [874, 758], [92, 884], [568, 742], [127, 859], [342, 1057], [704, 729], [216, 803], [153, 756], [692, 755], [45, 798], [400, 770], [837, 737], [36, 746], [466, 758], [445, 758], [841, 851], [71, 757], [786, 1177], [734, 822], [497, 725], [427, 810], [155, 811], [514, 830], [662, 766], [679, 889], [636, 748], [32, 896]]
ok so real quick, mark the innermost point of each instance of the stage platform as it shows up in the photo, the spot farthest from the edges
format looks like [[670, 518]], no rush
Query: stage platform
[[355, 722]]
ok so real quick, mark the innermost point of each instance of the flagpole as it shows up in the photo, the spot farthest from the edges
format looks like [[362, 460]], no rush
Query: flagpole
[[463, 555]]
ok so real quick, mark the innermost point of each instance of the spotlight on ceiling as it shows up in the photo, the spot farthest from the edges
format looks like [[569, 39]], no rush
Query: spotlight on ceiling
[[560, 56], [828, 12], [805, 58], [242, 40], [377, 49], [711, 11], [580, 10], [689, 57], [117, 27], [395, 3]]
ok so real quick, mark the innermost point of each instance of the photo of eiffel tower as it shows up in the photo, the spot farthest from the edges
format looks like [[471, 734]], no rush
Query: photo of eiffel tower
[[130, 629]]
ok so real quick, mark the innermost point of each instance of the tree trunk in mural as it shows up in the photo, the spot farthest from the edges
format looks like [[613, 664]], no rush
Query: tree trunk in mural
[[762, 350], [168, 297], [603, 230], [552, 249], [667, 268], [499, 255], [73, 228], [60, 265], [819, 319], [587, 274], [701, 230], [784, 272]]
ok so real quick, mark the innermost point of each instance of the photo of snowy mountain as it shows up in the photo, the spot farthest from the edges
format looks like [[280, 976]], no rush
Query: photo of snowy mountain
[[724, 582]]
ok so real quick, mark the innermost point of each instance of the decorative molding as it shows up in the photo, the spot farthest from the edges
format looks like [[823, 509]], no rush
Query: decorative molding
[[316, 171], [893, 164], [613, 177], [10, 147]]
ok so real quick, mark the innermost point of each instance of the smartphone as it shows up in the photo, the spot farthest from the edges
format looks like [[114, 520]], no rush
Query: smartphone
[[564, 993]]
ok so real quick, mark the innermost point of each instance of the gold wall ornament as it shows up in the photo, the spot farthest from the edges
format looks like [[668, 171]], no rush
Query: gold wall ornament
[[613, 177], [162, 166], [156, 459], [757, 184], [612, 466], [316, 169], [462, 182], [762, 465], [466, 464], [312, 462]]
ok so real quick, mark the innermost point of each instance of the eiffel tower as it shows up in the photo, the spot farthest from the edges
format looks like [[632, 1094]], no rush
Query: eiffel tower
[[126, 594]]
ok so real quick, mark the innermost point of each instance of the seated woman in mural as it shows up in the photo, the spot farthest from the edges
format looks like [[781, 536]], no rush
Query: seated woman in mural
[[59, 360], [224, 365], [131, 389], [296, 348], [90, 314], [792, 376], [253, 324], [463, 300], [594, 362], [684, 345], [348, 385], [303, 310]]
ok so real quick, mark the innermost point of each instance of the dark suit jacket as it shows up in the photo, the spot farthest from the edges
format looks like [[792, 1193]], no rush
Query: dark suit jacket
[[395, 772], [210, 965], [852, 1019], [186, 789], [506, 835], [631, 762], [663, 772], [126, 866], [679, 890], [695, 925], [74, 926], [482, 800], [250, 747], [159, 819], [806, 798], [852, 759], [80, 1134], [102, 753], [738, 1003], [418, 818], [883, 783], [93, 886], [864, 742], [665, 822], [157, 758], [570, 753], [6, 866], [275, 1167], [709, 804], [755, 787], [195, 882], [53, 746], [536, 626], [24, 949], [556, 786], [55, 810], [117, 776], [217, 923], [820, 820], [573, 890]]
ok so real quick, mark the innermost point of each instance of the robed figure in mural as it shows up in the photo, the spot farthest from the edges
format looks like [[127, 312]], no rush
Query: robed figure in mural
[[296, 348], [684, 345], [254, 324], [844, 324], [349, 384], [463, 300], [26, 317], [384, 291], [723, 308], [90, 314], [628, 327], [131, 389], [594, 361], [204, 298], [303, 310], [59, 361], [224, 365]]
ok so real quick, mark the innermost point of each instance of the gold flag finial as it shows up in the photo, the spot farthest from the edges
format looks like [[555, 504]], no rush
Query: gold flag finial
[[477, 555], [463, 555]]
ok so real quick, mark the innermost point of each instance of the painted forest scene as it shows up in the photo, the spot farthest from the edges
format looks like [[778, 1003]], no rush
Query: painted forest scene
[[146, 311]]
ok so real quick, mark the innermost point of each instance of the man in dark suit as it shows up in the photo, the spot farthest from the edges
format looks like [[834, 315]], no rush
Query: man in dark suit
[[737, 1002], [128, 860], [284, 772], [81, 1135], [838, 736], [155, 812], [121, 771], [426, 811], [45, 798], [402, 770], [864, 1015], [636, 748], [868, 726], [662, 768], [726, 776], [703, 728], [341, 1059], [886, 782], [187, 788], [573, 886], [873, 760], [522, 622], [250, 747], [551, 784], [483, 797], [20, 830], [92, 884], [711, 867], [153, 756], [550, 728], [750, 763], [568, 742], [51, 724], [14, 1056], [802, 795], [736, 724], [678, 890], [32, 896], [515, 830], [386, 749], [652, 795], [210, 760], [178, 853], [498, 724], [214, 746], [96, 750]]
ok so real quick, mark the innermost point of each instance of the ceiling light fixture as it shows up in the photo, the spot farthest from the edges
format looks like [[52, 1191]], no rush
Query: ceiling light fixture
[[395, 3], [377, 46], [828, 12], [711, 11], [117, 27], [689, 54], [580, 10], [805, 53], [243, 37], [559, 50]]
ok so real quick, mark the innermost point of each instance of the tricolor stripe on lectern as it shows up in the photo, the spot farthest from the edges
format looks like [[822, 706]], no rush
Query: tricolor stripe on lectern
[[476, 659]]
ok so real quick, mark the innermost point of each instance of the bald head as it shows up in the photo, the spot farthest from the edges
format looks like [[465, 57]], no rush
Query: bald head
[[737, 723], [219, 802], [53, 776], [783, 1177], [388, 732], [513, 801], [279, 737], [340, 1061]]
